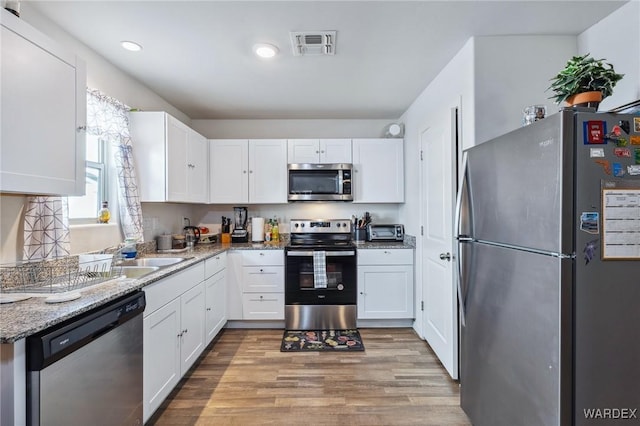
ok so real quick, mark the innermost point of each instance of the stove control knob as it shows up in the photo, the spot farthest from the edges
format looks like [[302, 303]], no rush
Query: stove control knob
[[302, 225], [344, 224], [295, 224]]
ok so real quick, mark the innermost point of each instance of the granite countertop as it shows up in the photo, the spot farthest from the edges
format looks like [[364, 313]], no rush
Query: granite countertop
[[21, 319]]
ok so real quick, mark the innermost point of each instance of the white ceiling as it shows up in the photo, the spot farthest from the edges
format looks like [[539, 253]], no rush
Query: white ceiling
[[197, 54]]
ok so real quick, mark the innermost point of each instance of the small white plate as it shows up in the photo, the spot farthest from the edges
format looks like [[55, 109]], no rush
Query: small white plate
[[63, 297], [11, 298]]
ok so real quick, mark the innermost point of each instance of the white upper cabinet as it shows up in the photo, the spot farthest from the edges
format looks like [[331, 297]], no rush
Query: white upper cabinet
[[248, 171], [43, 108], [171, 158], [378, 170], [319, 151]]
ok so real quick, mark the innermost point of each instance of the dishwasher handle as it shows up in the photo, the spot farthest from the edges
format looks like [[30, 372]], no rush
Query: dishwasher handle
[[50, 345]]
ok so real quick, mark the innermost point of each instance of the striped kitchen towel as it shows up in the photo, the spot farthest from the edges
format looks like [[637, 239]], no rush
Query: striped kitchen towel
[[319, 269]]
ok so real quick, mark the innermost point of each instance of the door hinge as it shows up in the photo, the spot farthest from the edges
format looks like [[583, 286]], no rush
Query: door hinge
[[421, 230], [421, 158], [422, 305]]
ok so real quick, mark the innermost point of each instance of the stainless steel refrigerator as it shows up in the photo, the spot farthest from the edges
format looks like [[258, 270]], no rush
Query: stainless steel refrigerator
[[549, 260]]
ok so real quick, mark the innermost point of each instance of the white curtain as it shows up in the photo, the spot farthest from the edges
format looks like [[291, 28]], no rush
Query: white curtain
[[108, 119], [46, 228]]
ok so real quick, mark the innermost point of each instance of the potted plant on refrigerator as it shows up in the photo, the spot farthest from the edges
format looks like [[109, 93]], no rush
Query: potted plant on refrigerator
[[584, 81]]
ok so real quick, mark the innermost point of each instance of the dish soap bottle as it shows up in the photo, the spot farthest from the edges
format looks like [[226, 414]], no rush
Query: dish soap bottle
[[104, 214]]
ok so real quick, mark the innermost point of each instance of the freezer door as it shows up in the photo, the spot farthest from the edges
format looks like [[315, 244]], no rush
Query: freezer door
[[512, 362], [521, 186]]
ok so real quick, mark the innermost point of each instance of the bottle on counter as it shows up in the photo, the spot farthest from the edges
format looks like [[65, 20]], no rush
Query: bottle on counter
[[267, 230], [130, 251], [275, 231], [104, 214]]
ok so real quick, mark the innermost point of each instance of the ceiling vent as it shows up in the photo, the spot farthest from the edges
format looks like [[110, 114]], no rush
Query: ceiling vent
[[313, 43]]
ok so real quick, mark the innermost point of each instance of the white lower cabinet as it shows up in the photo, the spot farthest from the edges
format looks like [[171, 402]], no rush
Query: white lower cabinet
[[173, 333], [385, 284], [263, 284], [192, 322], [215, 284], [161, 355], [256, 285]]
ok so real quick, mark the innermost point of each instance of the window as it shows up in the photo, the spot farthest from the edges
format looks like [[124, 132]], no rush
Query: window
[[85, 208]]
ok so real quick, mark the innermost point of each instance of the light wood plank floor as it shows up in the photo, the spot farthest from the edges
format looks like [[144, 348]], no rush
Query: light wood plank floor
[[244, 379]]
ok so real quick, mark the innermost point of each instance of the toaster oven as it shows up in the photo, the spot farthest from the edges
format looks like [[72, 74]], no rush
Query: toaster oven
[[392, 232]]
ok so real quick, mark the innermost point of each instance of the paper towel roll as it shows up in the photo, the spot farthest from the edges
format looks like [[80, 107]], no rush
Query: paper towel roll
[[257, 229]]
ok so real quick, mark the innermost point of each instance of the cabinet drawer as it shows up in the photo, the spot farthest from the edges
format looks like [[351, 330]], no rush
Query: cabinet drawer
[[262, 257], [263, 279], [260, 306], [215, 264], [385, 257], [162, 292]]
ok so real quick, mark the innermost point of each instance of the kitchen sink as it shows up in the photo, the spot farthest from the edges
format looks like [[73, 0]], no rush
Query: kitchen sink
[[138, 271], [153, 261]]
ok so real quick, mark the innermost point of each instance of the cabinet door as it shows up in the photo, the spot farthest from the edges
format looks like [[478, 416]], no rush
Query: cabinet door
[[161, 355], [234, 285], [385, 292], [335, 150], [198, 168], [268, 171], [192, 326], [303, 151], [378, 170], [229, 171], [216, 305], [43, 104], [177, 169]]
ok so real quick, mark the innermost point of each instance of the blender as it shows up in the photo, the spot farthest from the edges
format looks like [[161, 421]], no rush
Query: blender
[[240, 233]]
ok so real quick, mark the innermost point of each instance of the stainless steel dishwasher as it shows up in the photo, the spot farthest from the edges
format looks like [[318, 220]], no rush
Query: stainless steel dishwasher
[[88, 370]]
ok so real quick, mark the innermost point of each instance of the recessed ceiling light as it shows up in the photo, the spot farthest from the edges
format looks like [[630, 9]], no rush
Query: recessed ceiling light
[[131, 45], [265, 50]]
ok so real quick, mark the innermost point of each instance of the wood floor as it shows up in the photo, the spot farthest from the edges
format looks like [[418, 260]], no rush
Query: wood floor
[[244, 379]]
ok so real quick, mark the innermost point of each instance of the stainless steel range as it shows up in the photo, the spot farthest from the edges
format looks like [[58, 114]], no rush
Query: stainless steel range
[[321, 276]]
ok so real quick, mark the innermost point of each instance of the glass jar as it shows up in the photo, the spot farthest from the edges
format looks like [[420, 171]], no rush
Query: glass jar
[[533, 113]]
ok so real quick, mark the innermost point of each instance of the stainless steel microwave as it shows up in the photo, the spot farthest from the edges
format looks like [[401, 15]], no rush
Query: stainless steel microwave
[[320, 182]]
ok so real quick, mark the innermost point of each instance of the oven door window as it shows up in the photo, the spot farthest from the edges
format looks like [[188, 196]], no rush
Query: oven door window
[[314, 182], [334, 276]]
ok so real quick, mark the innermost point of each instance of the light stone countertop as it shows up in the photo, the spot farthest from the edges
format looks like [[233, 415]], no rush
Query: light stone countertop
[[22, 319]]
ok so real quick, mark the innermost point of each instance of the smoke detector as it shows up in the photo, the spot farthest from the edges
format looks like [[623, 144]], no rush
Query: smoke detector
[[313, 43]]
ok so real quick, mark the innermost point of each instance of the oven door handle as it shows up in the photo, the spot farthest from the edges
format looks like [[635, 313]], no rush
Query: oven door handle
[[327, 253]]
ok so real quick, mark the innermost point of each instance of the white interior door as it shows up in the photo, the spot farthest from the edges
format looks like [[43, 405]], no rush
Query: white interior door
[[440, 326]]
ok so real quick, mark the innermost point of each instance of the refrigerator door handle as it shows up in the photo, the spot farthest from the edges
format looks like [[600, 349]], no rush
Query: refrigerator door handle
[[460, 238]]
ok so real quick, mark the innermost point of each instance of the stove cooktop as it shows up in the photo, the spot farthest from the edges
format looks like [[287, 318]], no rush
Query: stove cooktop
[[319, 233]]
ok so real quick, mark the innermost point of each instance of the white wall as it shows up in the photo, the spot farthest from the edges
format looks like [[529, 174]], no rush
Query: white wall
[[101, 74], [512, 72], [452, 87], [617, 39]]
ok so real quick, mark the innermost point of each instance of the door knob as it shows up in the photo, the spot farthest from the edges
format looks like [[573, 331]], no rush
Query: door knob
[[445, 256]]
